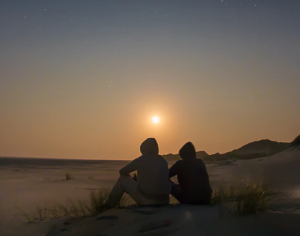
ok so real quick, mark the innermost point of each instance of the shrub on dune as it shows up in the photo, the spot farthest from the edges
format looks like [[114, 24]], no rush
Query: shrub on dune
[[97, 201], [70, 209], [243, 198]]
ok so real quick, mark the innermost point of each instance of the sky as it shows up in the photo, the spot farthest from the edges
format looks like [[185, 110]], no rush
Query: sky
[[83, 78]]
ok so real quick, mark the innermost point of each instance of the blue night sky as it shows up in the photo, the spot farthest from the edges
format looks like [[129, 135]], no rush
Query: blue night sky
[[82, 79]]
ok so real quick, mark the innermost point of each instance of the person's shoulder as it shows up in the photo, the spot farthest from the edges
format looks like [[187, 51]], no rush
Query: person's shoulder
[[201, 163], [137, 159], [178, 163], [200, 160], [145, 157], [162, 158]]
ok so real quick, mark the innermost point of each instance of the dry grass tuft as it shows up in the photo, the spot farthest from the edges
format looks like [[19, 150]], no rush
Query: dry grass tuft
[[68, 176], [243, 198], [70, 209]]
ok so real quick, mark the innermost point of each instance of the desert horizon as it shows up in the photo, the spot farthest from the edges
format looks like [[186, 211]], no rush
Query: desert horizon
[[165, 154]]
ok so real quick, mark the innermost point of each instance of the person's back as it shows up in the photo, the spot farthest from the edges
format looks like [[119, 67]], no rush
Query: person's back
[[153, 175], [152, 186], [192, 177]]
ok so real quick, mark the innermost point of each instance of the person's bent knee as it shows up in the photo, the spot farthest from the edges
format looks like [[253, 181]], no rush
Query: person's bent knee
[[124, 178]]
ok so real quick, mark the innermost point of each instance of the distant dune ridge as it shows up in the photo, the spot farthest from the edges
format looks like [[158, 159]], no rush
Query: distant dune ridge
[[251, 150], [296, 142]]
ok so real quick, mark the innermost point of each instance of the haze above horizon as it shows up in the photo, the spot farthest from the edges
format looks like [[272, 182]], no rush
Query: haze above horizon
[[84, 79]]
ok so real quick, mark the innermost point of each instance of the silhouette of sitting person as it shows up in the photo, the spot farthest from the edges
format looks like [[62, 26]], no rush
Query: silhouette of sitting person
[[152, 188], [194, 187]]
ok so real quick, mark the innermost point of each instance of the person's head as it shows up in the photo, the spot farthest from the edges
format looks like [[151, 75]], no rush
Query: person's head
[[149, 146], [188, 151]]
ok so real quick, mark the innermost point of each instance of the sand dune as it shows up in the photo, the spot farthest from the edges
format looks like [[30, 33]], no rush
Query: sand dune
[[279, 170]]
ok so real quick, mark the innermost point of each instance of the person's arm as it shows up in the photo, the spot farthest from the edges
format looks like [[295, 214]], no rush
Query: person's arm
[[132, 166], [174, 169]]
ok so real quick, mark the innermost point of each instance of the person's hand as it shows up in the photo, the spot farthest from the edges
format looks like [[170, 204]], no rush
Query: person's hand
[[135, 177]]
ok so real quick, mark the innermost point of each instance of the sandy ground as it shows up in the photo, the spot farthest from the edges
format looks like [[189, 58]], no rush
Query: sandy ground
[[170, 220], [28, 186]]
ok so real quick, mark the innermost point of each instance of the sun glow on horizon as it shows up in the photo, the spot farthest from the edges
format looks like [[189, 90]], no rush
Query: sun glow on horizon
[[155, 119]]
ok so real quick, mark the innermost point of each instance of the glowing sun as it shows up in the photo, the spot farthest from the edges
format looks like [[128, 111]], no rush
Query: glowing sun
[[155, 119]]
